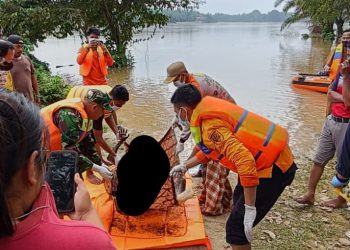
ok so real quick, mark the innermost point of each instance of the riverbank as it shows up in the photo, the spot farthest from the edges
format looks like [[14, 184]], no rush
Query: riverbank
[[290, 225]]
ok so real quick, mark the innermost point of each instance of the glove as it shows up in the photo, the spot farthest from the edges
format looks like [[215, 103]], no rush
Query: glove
[[339, 183], [122, 132], [179, 148], [249, 218], [178, 168], [103, 170], [326, 68]]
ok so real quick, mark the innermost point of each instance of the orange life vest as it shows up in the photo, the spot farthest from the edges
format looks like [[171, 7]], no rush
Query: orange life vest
[[81, 90], [55, 134], [338, 53], [263, 138], [85, 67]]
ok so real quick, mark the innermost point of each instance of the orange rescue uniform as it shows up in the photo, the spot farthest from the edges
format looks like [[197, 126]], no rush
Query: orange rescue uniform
[[93, 65], [236, 142]]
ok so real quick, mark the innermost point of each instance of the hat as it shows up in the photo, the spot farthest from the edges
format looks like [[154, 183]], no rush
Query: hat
[[15, 39], [141, 173], [99, 97], [174, 70]]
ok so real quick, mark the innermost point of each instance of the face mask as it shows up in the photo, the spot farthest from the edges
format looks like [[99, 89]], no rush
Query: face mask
[[115, 108], [185, 122], [179, 84]]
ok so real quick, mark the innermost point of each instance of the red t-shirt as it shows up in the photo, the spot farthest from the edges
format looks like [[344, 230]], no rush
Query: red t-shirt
[[338, 108], [43, 229]]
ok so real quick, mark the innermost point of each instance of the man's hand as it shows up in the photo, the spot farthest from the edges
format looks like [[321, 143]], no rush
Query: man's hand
[[249, 218], [345, 69], [122, 132], [339, 181], [82, 201], [103, 170], [326, 68], [103, 47], [37, 99], [178, 168]]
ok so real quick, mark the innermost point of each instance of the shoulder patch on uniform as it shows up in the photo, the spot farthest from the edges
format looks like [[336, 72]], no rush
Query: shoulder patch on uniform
[[216, 137]]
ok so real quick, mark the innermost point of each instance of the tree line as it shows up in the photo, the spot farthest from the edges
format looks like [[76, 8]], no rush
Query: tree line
[[254, 16]]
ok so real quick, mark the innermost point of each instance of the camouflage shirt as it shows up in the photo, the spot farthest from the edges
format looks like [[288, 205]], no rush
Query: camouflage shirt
[[69, 121]]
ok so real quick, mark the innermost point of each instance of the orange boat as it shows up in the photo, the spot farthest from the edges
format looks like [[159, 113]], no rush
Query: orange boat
[[312, 82]]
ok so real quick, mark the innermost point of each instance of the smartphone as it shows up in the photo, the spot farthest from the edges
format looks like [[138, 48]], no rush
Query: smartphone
[[62, 166]]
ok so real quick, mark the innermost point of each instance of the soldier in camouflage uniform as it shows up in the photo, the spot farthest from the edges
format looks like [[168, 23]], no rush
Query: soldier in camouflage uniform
[[76, 132]]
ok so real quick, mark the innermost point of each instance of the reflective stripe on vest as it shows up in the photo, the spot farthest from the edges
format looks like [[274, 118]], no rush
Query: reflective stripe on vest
[[264, 139], [338, 53], [48, 112]]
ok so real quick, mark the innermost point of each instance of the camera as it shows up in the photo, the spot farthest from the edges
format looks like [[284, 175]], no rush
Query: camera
[[95, 40]]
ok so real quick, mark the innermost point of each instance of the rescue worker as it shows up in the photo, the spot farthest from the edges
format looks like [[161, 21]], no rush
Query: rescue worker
[[342, 176], [207, 86], [216, 195], [245, 143], [94, 59], [332, 134], [334, 59], [70, 123], [119, 96]]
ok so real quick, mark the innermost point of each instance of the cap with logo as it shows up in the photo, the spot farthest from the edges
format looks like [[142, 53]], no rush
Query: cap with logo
[[99, 97]]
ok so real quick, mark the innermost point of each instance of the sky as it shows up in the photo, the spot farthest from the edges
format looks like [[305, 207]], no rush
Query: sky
[[237, 6]]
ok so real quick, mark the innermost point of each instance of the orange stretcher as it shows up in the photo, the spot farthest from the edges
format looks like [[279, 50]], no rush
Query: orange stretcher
[[167, 223], [177, 226]]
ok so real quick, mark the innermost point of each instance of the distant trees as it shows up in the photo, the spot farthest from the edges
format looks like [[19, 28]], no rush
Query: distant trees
[[254, 16]]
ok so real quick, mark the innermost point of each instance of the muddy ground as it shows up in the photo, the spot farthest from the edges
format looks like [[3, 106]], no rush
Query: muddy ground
[[290, 225]]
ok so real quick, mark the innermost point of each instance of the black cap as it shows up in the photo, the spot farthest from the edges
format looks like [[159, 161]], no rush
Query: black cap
[[15, 39], [141, 173]]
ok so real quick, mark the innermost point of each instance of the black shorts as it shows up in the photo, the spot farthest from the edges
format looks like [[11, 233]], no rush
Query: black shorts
[[267, 193]]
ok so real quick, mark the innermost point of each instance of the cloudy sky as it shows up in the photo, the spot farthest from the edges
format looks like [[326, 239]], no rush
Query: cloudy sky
[[237, 6]]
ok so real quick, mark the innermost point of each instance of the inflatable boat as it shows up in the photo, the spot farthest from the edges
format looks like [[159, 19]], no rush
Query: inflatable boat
[[312, 82]]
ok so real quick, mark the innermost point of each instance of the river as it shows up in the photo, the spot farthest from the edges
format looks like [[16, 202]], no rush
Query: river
[[253, 61]]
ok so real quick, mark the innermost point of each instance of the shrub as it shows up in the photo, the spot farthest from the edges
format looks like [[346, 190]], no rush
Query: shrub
[[51, 88]]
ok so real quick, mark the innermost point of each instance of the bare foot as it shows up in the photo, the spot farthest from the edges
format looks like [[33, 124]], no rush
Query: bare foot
[[338, 202], [93, 179], [307, 199]]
